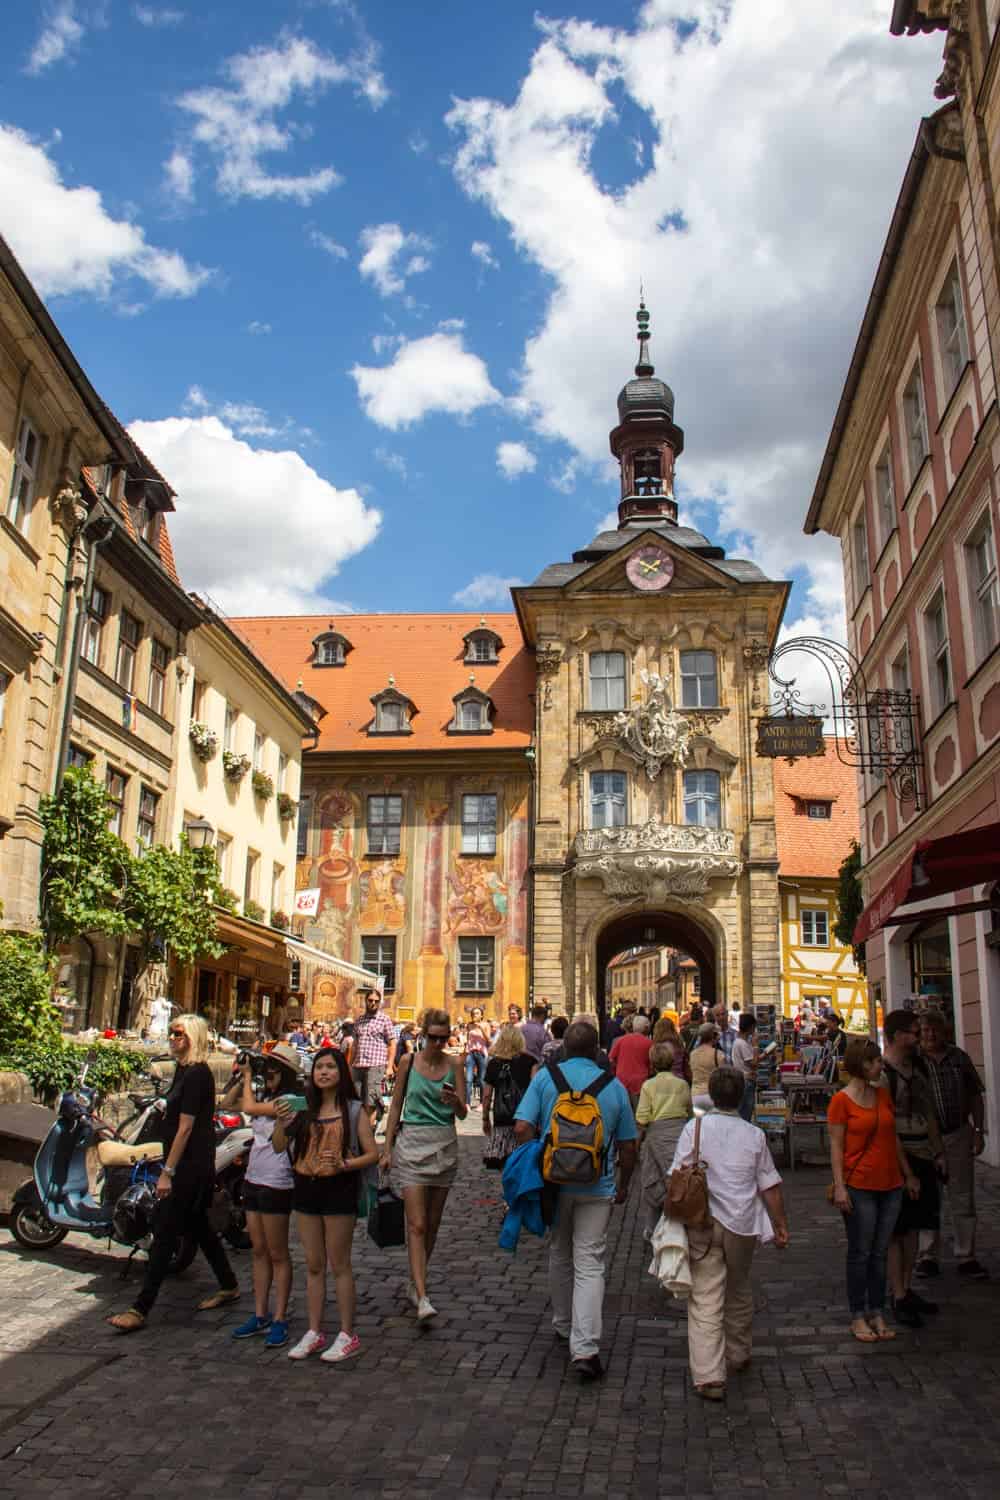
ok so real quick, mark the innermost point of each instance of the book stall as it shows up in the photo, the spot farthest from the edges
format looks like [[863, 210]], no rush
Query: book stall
[[792, 1098]]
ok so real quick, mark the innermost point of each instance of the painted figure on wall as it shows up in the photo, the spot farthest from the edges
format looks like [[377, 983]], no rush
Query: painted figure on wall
[[332, 997], [477, 900], [334, 868], [383, 895]]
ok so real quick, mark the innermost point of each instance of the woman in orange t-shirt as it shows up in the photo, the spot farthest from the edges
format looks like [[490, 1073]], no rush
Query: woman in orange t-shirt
[[869, 1172]]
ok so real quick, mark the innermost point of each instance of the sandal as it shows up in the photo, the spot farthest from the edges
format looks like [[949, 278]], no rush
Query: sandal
[[863, 1332], [711, 1392], [219, 1299], [128, 1322], [881, 1332]]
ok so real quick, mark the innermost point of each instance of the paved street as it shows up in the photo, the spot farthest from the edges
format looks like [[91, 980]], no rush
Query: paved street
[[481, 1404]]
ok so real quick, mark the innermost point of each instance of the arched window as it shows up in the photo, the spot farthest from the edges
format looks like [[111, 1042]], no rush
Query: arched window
[[702, 798]]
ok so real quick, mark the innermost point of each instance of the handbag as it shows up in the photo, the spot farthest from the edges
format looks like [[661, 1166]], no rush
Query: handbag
[[386, 1219], [687, 1190], [832, 1187]]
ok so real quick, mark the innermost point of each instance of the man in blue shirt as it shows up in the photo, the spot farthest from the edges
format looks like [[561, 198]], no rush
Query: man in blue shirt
[[580, 1234]]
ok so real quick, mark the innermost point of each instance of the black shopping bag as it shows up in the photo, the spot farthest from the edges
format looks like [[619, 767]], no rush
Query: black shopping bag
[[386, 1219]]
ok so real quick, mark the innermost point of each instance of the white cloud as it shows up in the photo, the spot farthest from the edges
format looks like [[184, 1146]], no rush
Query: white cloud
[[487, 588], [158, 15], [482, 251], [384, 343], [418, 143], [223, 531], [391, 256], [394, 462], [256, 327], [754, 223], [61, 34], [178, 176], [564, 479], [436, 373], [69, 242], [326, 243], [244, 417], [238, 124], [514, 459]]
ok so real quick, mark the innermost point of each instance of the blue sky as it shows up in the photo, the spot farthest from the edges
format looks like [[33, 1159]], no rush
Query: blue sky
[[362, 277]]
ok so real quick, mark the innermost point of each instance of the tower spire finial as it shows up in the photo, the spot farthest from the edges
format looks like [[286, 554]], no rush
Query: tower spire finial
[[644, 368]]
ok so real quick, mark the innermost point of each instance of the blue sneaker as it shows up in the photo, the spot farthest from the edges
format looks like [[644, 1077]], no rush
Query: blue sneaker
[[277, 1335], [252, 1327]]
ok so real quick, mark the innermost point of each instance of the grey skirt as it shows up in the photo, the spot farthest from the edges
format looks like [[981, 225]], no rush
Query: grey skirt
[[424, 1156]]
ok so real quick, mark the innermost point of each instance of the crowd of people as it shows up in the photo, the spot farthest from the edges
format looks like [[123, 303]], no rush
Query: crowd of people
[[904, 1130]]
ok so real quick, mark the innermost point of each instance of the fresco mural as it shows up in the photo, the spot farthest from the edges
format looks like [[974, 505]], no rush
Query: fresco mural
[[332, 997], [477, 900], [383, 895]]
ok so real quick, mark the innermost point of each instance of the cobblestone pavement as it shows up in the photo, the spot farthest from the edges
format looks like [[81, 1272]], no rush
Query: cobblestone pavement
[[481, 1404]]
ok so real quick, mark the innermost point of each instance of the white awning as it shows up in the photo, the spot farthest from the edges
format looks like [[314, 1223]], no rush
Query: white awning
[[296, 948]]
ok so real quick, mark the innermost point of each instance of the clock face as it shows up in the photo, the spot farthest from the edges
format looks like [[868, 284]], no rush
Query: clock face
[[651, 567]]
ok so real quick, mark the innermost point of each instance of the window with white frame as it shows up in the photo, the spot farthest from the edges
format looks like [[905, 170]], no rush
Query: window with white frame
[[900, 674], [607, 679], [129, 636], [815, 927], [378, 956], [302, 830], [915, 422], [114, 784], [93, 625], [5, 681], [331, 652], [481, 648], [702, 798], [258, 750], [282, 771], [390, 717], [159, 660], [859, 544], [475, 964], [250, 877], [78, 759], [277, 884], [224, 856], [819, 809], [198, 692], [938, 653], [470, 713], [699, 679], [145, 828], [885, 496], [479, 823], [385, 821], [24, 483], [608, 799], [953, 338], [229, 728], [981, 569]]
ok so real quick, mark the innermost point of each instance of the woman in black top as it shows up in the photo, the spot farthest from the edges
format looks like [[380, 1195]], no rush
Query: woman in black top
[[185, 1186], [508, 1074]]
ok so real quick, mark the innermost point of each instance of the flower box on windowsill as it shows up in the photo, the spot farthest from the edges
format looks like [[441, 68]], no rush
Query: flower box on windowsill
[[287, 807], [204, 741], [254, 912], [280, 920], [263, 786], [235, 766]]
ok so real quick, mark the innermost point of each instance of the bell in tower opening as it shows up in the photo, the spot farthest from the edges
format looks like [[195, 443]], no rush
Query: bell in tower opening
[[646, 441]]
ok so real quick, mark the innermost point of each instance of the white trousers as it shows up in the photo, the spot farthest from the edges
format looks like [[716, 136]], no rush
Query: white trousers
[[576, 1271], [960, 1195]]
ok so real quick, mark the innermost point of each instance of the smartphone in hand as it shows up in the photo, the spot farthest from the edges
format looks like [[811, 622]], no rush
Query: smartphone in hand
[[295, 1102]]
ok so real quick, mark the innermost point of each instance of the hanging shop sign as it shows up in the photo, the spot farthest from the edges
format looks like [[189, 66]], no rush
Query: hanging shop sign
[[790, 736]]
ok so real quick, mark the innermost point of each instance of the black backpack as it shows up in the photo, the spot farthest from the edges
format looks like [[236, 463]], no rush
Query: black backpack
[[506, 1096]]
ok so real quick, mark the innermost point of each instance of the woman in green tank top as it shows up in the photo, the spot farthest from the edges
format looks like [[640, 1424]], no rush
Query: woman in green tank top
[[421, 1145]]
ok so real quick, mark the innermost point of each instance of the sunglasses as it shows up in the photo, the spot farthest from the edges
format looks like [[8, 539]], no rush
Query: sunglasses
[[437, 1036], [175, 1036]]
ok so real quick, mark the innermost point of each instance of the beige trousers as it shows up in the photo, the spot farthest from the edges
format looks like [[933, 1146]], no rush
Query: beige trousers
[[720, 1308]]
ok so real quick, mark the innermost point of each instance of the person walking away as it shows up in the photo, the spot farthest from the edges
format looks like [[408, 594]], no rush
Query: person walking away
[[747, 1207], [552, 1051], [508, 1074], [421, 1146], [745, 1058], [663, 1110], [918, 1130], [665, 1030], [579, 1237], [477, 1047], [869, 1169], [186, 1184], [267, 1197], [535, 1032], [705, 1058], [374, 1052], [330, 1143], [959, 1099], [630, 1058], [693, 1024]]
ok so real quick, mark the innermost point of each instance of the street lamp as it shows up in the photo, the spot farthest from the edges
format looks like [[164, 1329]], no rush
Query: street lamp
[[200, 833]]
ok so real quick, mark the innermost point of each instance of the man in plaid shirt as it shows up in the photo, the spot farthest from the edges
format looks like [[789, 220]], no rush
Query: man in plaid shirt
[[374, 1051]]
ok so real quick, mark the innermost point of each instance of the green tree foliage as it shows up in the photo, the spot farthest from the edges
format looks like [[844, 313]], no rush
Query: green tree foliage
[[27, 1014], [850, 903], [85, 867], [169, 902]]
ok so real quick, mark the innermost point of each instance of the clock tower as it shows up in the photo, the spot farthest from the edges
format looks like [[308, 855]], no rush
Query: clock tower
[[646, 441]]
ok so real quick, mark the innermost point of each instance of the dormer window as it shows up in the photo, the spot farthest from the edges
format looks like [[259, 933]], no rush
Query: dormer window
[[482, 645], [330, 649], [393, 711], [473, 712]]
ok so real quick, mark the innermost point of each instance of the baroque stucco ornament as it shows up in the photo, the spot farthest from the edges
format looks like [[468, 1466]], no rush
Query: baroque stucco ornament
[[653, 733], [655, 860]]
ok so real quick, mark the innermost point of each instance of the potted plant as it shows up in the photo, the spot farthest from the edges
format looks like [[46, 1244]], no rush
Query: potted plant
[[254, 911], [226, 898], [287, 807], [280, 920], [235, 766], [204, 741], [263, 786]]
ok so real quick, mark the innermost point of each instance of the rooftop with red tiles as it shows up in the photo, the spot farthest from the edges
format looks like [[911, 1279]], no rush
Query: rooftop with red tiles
[[815, 846]]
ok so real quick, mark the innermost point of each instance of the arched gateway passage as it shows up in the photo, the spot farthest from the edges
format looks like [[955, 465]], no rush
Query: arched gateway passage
[[655, 929]]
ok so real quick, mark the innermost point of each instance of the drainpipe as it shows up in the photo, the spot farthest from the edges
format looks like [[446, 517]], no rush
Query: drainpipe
[[95, 531], [529, 756]]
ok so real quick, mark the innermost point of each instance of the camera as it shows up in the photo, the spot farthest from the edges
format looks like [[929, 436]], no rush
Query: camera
[[255, 1059]]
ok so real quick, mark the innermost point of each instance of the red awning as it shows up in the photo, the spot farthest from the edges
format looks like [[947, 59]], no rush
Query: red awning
[[933, 868]]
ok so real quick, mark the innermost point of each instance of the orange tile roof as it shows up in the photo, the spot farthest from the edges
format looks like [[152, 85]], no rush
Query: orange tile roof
[[815, 846], [164, 547], [423, 653]]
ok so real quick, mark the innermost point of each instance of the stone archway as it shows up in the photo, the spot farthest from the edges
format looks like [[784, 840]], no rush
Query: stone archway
[[674, 929]]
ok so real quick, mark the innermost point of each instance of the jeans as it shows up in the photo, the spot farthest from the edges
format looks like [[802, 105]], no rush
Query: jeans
[[869, 1228], [183, 1211], [475, 1071], [749, 1099], [576, 1271]]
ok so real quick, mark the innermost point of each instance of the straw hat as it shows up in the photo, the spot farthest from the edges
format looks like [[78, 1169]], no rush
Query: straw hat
[[282, 1053]]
